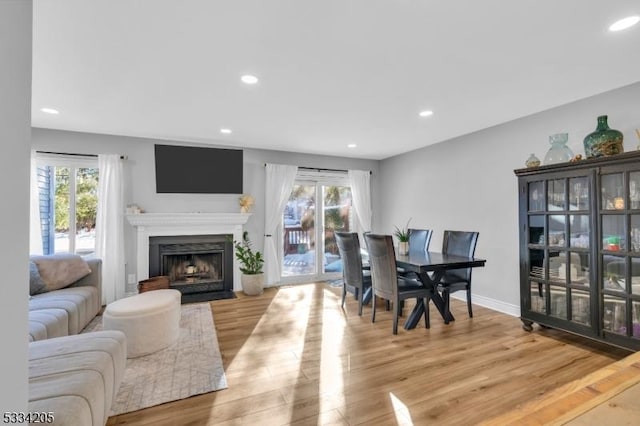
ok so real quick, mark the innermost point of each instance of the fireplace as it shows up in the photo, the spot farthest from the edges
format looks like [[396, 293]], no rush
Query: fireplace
[[200, 266], [150, 225]]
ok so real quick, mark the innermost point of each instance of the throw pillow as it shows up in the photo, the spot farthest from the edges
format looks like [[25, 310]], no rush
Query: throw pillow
[[36, 285], [61, 270]]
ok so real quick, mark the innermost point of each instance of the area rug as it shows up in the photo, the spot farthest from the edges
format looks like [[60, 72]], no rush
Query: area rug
[[191, 366]]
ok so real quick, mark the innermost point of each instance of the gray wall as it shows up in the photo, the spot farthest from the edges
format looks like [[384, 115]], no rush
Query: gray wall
[[468, 183], [139, 172], [15, 129]]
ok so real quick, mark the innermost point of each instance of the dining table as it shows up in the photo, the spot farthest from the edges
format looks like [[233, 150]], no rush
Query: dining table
[[430, 267]]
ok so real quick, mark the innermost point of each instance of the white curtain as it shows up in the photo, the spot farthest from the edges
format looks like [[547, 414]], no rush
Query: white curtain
[[279, 184], [109, 227], [360, 182], [35, 224]]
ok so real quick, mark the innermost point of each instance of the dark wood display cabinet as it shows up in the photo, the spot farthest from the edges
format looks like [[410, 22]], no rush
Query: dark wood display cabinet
[[580, 248]]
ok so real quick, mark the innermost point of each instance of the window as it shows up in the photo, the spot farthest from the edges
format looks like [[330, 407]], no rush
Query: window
[[319, 205], [68, 201]]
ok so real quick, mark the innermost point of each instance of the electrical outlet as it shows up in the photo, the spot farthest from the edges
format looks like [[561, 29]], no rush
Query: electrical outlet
[[131, 279]]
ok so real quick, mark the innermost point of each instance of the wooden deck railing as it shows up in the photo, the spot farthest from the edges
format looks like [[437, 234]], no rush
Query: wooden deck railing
[[294, 237]]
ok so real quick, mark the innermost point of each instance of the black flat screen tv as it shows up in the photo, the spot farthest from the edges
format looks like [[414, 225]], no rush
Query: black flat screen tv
[[198, 170]]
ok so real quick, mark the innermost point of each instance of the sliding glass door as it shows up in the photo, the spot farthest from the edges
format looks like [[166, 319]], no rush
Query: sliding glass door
[[316, 209], [299, 223]]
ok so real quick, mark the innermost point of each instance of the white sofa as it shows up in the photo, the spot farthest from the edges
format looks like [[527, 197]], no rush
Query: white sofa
[[74, 376], [68, 310], [77, 377]]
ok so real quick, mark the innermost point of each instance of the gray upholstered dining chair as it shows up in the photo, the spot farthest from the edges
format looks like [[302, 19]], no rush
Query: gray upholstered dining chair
[[352, 274], [460, 243], [419, 240], [387, 284]]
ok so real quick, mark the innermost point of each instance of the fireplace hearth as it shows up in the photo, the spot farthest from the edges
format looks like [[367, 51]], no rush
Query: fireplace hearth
[[199, 266]]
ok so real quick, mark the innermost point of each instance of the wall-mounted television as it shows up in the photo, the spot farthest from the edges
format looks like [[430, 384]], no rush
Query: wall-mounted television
[[198, 170]]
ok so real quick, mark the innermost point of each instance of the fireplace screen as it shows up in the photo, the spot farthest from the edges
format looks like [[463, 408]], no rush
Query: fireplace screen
[[193, 268], [200, 266], [199, 263]]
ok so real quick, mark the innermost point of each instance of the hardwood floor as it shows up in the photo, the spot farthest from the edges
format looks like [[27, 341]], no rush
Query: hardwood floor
[[608, 396], [293, 356]]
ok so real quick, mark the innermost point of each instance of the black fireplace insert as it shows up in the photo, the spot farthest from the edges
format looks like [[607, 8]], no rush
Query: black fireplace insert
[[200, 266]]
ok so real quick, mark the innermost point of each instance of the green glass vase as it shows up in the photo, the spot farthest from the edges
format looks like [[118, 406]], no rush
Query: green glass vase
[[603, 141]]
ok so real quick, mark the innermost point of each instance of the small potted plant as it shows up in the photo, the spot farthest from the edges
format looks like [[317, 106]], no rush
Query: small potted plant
[[251, 262], [403, 239]]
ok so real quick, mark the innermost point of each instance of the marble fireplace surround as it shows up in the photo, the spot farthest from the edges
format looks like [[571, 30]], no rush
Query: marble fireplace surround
[[175, 224]]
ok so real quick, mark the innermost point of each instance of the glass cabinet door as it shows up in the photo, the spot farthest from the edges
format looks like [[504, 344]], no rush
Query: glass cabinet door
[[579, 225], [619, 252], [559, 248]]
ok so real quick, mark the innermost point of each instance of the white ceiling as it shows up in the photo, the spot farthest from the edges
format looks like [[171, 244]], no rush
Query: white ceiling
[[332, 72]]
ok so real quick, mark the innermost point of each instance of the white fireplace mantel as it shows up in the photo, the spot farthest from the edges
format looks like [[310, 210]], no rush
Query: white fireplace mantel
[[173, 224]]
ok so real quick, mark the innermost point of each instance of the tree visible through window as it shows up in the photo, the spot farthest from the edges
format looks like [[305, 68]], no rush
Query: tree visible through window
[[68, 205]]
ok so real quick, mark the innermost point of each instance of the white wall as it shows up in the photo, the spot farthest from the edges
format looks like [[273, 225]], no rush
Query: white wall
[[468, 183], [140, 176], [15, 128]]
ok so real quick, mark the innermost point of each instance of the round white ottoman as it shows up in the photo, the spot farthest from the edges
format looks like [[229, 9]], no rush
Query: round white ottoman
[[150, 320]]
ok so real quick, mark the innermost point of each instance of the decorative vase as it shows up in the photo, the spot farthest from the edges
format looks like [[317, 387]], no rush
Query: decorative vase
[[532, 161], [603, 141], [559, 151], [403, 248]]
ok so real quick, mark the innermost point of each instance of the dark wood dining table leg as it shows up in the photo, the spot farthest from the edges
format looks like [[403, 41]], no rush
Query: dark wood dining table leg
[[414, 316], [366, 297], [438, 301]]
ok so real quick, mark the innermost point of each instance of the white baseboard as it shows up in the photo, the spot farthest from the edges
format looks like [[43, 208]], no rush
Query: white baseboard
[[487, 302]]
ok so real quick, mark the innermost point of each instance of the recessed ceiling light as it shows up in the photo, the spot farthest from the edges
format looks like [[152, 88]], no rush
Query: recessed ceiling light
[[249, 79], [225, 131], [50, 110], [352, 145], [426, 113], [625, 23]]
